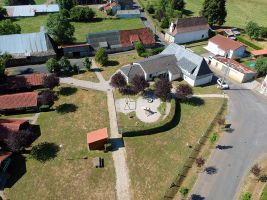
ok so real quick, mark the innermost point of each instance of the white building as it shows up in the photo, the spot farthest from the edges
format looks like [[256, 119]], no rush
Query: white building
[[223, 46], [188, 30]]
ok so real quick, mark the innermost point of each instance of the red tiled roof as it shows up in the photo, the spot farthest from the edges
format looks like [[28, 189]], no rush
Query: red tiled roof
[[17, 82], [19, 100], [225, 43], [235, 65], [12, 124], [134, 38], [259, 52], [144, 34], [4, 155], [97, 135]]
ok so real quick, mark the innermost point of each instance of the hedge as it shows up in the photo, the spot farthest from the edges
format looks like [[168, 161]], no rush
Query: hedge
[[252, 45]]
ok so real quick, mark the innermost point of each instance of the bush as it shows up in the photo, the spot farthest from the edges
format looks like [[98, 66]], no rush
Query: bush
[[44, 108], [261, 65], [46, 97], [82, 14], [157, 50], [64, 64], [253, 30], [52, 65], [7, 27], [183, 91], [246, 196], [139, 47], [109, 12], [101, 56], [200, 162], [165, 23], [139, 83], [256, 170], [214, 138], [87, 64], [150, 9], [51, 80], [184, 191], [248, 43], [118, 81]]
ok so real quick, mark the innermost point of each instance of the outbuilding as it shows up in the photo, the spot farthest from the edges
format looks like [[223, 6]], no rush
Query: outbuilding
[[223, 46], [127, 14], [257, 53], [233, 69], [76, 51], [97, 139]]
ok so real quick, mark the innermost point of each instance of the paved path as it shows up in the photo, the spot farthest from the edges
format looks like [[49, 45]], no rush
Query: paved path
[[247, 114], [211, 95]]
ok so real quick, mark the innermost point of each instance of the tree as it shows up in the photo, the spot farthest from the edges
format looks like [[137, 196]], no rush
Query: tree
[[118, 81], [165, 23], [87, 63], [184, 191], [46, 97], [261, 65], [60, 28], [183, 91], [3, 13], [139, 47], [64, 64], [253, 30], [52, 65], [7, 27], [3, 60], [150, 9], [81, 14], [256, 170], [177, 4], [160, 14], [214, 11], [66, 4], [200, 162], [163, 88], [139, 83], [101, 56], [51, 81]]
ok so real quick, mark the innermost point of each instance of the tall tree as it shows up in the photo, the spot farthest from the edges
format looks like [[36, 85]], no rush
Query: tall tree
[[118, 81], [66, 4], [60, 28], [51, 81], [101, 56], [253, 30], [139, 83], [214, 11], [3, 60], [177, 4], [183, 91], [7, 27], [163, 88], [3, 13]]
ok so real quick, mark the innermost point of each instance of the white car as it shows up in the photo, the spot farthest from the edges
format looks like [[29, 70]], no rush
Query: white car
[[221, 84]]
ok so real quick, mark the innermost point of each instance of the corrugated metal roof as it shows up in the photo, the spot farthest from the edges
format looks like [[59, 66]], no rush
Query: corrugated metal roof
[[25, 43], [127, 12], [30, 10]]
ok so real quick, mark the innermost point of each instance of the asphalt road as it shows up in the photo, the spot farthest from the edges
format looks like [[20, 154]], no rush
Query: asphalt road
[[247, 144]]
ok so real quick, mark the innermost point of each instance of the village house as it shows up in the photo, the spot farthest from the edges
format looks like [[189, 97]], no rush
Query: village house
[[123, 40], [223, 46], [30, 10], [28, 48], [175, 62], [188, 30], [233, 69]]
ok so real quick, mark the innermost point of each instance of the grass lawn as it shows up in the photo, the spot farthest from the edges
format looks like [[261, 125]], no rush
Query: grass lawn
[[67, 176], [40, 1], [206, 89], [86, 76], [197, 47], [153, 160], [117, 61]]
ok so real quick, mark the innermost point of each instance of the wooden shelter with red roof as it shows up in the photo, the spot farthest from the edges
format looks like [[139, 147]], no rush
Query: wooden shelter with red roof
[[97, 139], [262, 52]]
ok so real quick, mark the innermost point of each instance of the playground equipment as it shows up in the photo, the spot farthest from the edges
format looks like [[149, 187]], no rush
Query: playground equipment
[[129, 104]]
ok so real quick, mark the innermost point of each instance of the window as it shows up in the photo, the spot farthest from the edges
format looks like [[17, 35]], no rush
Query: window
[[203, 36]]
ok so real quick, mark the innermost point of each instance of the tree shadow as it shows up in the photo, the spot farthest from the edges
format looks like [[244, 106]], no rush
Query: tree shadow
[[195, 101], [166, 127], [211, 170], [188, 12], [97, 19], [67, 91], [44, 151], [112, 63], [96, 70], [16, 169], [66, 108]]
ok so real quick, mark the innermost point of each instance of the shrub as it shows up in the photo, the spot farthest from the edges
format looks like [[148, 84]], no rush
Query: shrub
[[118, 81], [163, 88], [101, 56], [46, 97], [221, 121], [87, 63], [52, 65], [256, 170], [246, 196], [65, 4], [214, 138], [183, 91], [7, 27], [165, 23], [139, 47], [253, 30], [64, 64], [109, 12], [248, 43], [261, 65], [51, 81], [200, 162], [150, 9], [184, 191], [44, 108], [75, 68], [82, 14]]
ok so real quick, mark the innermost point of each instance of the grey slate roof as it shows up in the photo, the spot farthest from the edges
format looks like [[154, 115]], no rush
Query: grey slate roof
[[131, 70], [187, 60], [25, 44], [111, 37], [160, 63]]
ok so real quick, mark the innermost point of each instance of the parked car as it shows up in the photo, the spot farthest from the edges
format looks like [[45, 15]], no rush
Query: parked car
[[221, 84]]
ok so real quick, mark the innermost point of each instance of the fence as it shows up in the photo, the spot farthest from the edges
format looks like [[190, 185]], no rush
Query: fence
[[177, 181]]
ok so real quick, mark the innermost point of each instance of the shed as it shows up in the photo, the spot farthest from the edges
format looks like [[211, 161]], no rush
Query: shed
[[97, 139], [76, 51], [262, 52], [127, 14]]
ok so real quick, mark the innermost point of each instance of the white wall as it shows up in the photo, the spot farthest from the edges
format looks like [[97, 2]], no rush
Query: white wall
[[203, 81], [169, 38], [213, 48], [189, 80], [181, 38]]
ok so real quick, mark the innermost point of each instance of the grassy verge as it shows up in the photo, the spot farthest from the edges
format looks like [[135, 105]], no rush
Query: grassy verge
[[86, 76], [198, 47], [116, 62], [154, 159], [67, 176], [17, 116]]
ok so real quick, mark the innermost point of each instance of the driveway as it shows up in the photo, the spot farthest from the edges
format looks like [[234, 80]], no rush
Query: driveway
[[247, 114]]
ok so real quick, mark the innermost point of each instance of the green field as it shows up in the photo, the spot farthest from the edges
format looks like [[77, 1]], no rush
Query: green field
[[68, 175], [153, 160], [32, 24], [239, 11]]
